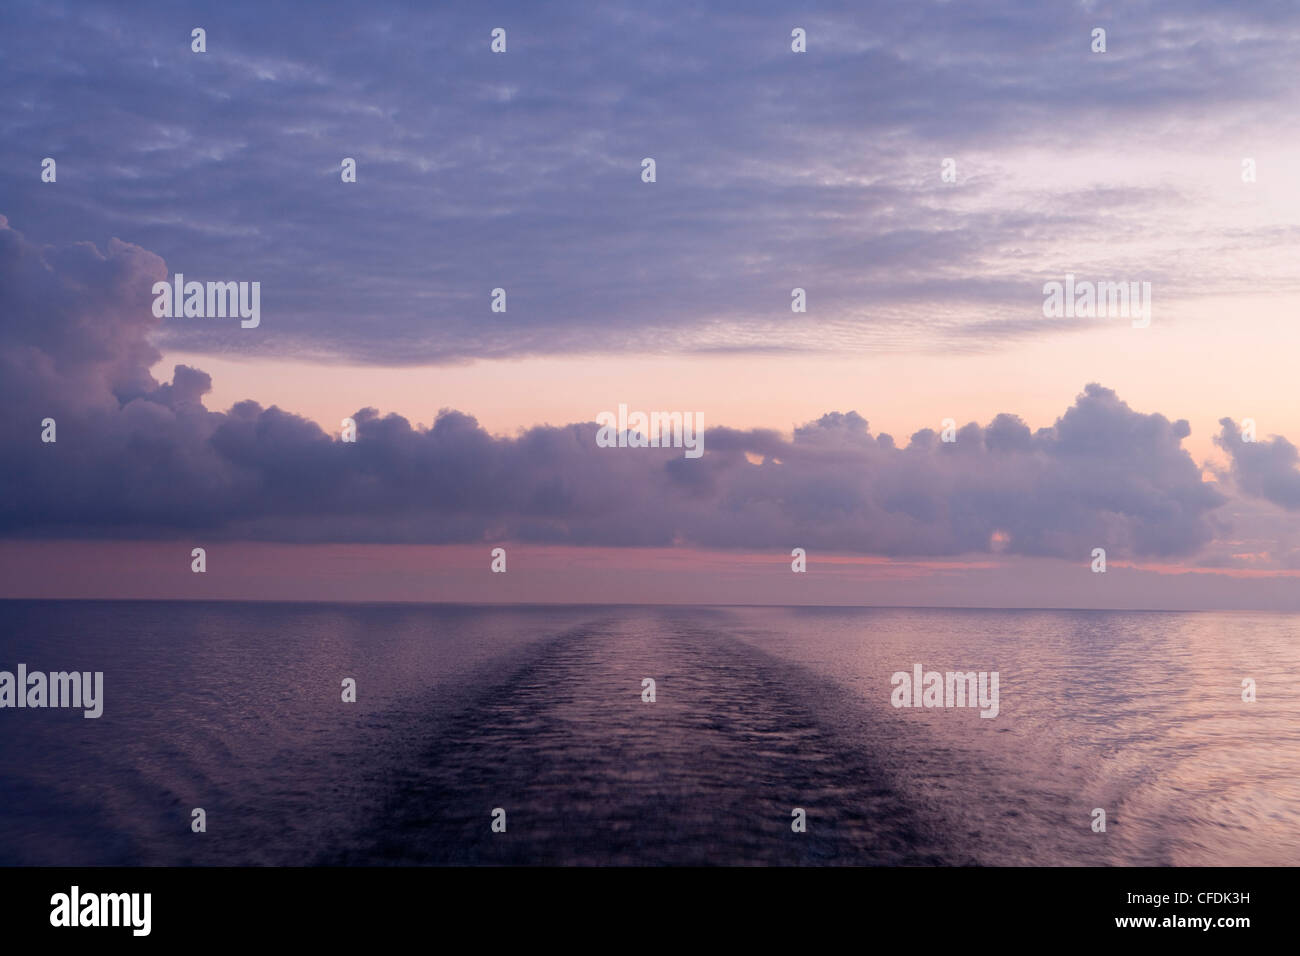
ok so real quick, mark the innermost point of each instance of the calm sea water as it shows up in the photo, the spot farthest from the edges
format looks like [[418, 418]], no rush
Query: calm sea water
[[236, 708]]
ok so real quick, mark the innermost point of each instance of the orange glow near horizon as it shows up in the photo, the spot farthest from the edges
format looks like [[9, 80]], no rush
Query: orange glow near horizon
[[1197, 367]]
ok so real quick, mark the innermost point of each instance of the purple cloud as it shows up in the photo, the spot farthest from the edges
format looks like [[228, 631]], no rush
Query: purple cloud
[[136, 457], [1262, 469]]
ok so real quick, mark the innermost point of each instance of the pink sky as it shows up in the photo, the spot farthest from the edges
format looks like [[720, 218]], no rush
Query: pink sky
[[417, 573], [1201, 366]]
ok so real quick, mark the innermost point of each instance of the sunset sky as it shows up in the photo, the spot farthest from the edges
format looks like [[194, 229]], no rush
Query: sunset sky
[[774, 170]]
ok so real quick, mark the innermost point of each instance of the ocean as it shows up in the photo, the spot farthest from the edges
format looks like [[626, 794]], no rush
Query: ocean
[[537, 718]]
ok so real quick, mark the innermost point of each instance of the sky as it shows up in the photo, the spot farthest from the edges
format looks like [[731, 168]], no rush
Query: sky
[[522, 170]]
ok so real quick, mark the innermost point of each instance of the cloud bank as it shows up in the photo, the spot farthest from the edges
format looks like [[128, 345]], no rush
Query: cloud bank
[[140, 458]]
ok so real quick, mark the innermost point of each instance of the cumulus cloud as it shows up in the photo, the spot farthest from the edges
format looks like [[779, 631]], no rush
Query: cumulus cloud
[[136, 457], [1264, 469]]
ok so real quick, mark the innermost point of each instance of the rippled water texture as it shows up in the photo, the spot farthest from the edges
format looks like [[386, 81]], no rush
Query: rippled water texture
[[236, 708]]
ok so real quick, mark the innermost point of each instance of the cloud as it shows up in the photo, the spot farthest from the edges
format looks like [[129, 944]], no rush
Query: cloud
[[776, 170], [1264, 469], [139, 458]]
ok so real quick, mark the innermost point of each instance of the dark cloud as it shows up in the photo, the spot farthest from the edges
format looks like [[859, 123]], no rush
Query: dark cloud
[[1266, 469], [522, 170], [135, 457]]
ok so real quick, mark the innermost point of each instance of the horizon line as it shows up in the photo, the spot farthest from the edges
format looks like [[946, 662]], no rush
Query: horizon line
[[655, 604]]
